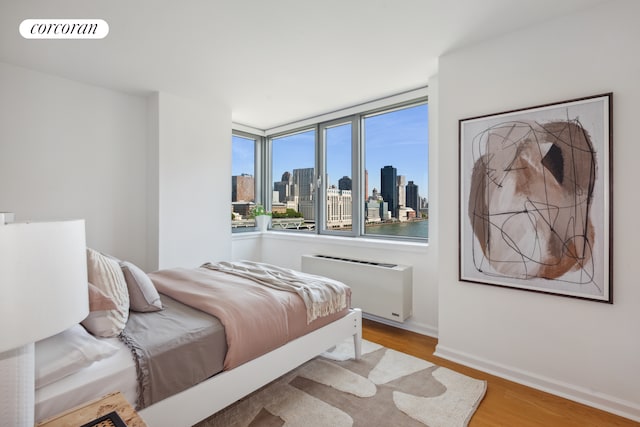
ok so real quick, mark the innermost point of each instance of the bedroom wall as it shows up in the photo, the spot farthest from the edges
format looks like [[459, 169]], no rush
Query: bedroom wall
[[584, 350], [146, 173], [190, 181], [71, 150], [246, 245]]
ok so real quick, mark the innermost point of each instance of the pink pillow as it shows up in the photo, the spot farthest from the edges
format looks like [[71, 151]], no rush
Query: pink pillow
[[99, 301]]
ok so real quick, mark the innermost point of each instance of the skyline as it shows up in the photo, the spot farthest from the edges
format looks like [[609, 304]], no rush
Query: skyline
[[398, 138]]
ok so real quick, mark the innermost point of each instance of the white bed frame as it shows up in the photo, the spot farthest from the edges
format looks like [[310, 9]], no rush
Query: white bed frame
[[199, 402]]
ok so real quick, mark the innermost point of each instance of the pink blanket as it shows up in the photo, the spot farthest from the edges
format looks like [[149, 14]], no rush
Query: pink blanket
[[321, 295], [256, 318]]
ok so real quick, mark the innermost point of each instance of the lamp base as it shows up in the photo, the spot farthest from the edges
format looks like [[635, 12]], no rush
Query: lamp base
[[17, 386]]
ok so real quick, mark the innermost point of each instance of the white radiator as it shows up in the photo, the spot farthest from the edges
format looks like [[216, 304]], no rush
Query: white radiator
[[377, 288]]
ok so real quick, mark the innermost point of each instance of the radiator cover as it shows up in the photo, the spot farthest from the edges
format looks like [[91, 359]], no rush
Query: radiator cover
[[378, 288]]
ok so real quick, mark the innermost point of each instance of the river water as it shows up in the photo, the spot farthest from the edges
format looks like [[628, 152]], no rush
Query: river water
[[413, 229]]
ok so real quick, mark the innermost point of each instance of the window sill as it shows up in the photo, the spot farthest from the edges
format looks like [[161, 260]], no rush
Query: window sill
[[246, 235], [360, 242]]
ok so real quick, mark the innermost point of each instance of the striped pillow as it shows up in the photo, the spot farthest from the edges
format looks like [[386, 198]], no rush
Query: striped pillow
[[106, 275]]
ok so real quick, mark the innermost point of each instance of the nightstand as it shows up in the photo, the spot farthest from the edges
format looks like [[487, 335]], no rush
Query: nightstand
[[88, 412]]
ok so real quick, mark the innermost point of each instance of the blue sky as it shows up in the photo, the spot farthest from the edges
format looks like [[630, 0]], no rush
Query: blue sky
[[398, 138]]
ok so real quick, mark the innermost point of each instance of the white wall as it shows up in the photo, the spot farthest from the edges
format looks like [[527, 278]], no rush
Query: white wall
[[70, 150], [151, 176], [586, 350], [247, 245], [192, 180]]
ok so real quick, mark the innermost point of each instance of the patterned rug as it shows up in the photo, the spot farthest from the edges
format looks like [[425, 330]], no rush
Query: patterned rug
[[385, 388]]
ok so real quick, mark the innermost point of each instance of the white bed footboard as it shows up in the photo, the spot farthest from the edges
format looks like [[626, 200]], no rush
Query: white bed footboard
[[197, 403]]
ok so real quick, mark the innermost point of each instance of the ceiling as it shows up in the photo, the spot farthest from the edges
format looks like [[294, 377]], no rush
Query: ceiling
[[270, 61]]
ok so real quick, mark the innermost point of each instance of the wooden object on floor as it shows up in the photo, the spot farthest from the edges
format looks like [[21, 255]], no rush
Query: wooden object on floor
[[506, 403], [91, 410]]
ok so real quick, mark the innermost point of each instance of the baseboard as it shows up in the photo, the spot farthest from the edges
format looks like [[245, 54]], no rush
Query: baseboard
[[419, 328], [579, 394]]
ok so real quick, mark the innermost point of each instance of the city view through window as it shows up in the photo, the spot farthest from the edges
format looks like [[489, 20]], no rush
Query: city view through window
[[394, 183], [243, 183]]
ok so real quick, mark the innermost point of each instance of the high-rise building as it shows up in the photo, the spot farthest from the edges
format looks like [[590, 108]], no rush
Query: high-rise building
[[242, 188], [388, 188], [302, 189], [413, 198], [283, 187], [339, 211], [344, 183], [384, 210], [372, 211], [402, 198], [303, 184]]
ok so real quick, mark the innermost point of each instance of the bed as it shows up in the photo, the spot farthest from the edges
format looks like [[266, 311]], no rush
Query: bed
[[222, 373]]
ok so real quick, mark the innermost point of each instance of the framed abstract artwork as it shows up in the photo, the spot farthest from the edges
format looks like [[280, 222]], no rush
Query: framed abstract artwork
[[535, 190]]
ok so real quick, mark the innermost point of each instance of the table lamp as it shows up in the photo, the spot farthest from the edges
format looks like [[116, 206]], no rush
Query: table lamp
[[43, 291]]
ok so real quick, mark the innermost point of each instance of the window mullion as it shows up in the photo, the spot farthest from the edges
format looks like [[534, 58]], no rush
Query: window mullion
[[320, 183], [265, 173], [357, 172]]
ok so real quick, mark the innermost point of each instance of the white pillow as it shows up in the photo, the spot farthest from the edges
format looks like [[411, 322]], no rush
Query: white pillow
[[143, 295], [66, 353], [106, 275]]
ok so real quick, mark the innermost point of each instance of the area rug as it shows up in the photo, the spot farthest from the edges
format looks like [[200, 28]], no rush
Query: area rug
[[384, 388]]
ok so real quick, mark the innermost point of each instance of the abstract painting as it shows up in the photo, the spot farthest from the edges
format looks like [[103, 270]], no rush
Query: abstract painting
[[535, 198]]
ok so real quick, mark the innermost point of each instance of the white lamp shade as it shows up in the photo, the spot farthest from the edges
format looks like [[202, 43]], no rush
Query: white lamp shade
[[43, 280]]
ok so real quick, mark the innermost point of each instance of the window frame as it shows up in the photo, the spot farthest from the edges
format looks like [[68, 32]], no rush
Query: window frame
[[358, 162], [376, 112], [258, 170], [356, 188], [268, 161]]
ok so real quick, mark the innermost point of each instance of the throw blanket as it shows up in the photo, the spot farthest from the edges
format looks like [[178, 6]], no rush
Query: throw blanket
[[322, 296]]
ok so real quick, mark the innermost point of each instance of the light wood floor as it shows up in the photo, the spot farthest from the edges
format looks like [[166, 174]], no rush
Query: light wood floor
[[505, 403]]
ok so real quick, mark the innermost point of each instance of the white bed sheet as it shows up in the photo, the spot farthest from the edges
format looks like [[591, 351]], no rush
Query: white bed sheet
[[115, 373]]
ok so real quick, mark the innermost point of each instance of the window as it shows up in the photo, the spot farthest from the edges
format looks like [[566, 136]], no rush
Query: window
[[244, 180], [365, 174], [337, 152], [396, 165], [293, 203]]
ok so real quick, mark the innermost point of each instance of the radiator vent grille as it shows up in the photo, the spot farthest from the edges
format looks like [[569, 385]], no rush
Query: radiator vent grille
[[359, 261]]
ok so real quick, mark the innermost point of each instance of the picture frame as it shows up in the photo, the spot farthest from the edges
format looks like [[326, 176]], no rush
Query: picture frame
[[535, 198]]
